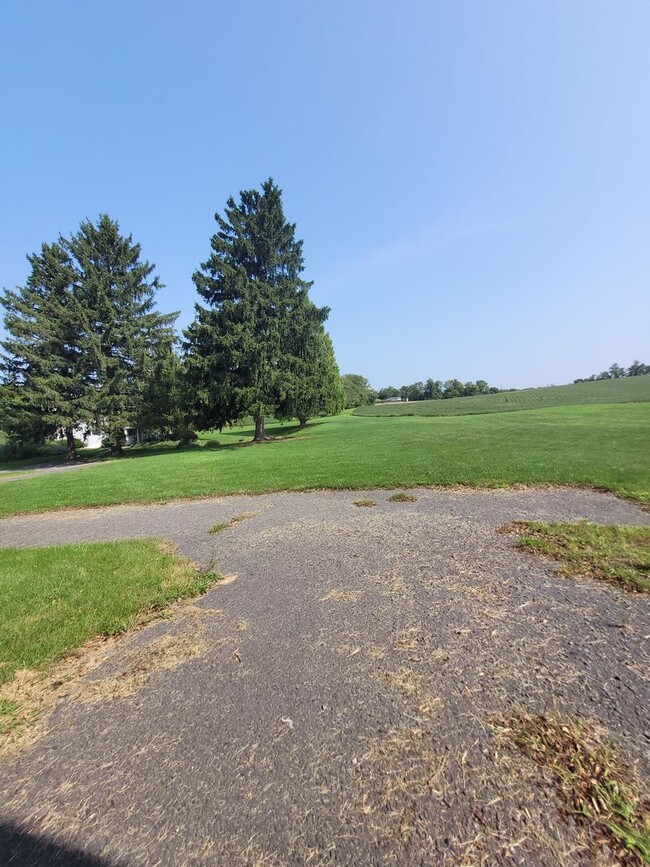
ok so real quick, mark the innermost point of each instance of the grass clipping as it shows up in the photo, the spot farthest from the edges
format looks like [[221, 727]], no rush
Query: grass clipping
[[133, 584], [232, 522], [591, 780], [618, 554]]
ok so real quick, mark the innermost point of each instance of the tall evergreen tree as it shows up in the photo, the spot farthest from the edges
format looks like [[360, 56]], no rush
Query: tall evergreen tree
[[162, 396], [316, 384], [239, 352], [83, 336], [46, 363], [123, 329]]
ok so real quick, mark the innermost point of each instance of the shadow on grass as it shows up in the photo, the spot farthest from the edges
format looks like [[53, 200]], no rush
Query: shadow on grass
[[157, 449], [22, 849], [245, 438]]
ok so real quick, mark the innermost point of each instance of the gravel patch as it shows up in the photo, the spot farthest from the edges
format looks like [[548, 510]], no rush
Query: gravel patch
[[334, 703]]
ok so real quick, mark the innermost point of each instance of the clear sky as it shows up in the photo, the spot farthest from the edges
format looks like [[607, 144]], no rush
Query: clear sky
[[471, 178]]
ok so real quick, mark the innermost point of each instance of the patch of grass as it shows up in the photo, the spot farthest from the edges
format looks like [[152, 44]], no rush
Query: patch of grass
[[53, 600], [632, 389], [592, 782], [223, 525], [598, 446], [617, 554], [364, 504], [7, 709], [402, 498]]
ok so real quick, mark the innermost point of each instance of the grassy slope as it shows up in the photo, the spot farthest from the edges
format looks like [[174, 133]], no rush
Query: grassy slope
[[52, 600], [603, 446], [632, 389]]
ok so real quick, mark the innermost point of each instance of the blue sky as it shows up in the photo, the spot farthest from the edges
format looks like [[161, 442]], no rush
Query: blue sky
[[471, 179]]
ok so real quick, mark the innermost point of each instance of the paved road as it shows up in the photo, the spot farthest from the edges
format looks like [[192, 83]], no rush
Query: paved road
[[40, 470], [334, 704]]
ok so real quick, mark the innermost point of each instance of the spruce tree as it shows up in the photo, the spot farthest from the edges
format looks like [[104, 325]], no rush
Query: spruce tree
[[83, 336], [46, 362], [124, 331], [316, 385], [239, 351]]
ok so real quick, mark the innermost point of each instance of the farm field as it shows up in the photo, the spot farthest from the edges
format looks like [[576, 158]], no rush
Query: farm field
[[603, 446], [630, 389]]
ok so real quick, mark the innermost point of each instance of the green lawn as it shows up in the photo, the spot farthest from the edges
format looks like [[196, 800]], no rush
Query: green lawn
[[52, 600], [617, 554], [629, 389], [604, 446]]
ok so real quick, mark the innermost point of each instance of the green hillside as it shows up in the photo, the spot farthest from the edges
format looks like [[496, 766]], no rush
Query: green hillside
[[629, 389]]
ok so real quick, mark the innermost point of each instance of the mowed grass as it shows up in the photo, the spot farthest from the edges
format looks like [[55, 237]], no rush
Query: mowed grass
[[629, 389], [600, 446], [618, 554], [53, 600]]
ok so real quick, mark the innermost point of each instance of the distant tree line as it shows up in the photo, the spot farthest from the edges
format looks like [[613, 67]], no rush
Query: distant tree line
[[87, 348], [618, 372], [435, 389], [359, 392]]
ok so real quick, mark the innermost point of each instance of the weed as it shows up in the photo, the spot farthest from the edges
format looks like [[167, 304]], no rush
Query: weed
[[364, 503], [402, 498], [591, 781], [224, 525], [618, 554]]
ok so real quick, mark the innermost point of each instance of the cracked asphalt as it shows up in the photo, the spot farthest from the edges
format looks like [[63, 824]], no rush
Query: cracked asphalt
[[334, 702]]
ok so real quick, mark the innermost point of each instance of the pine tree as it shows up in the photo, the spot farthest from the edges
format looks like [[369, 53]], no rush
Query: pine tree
[[123, 330], [316, 385], [239, 357], [83, 336], [162, 395], [46, 364]]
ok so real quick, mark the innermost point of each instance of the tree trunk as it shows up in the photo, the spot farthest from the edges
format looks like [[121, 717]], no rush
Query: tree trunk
[[303, 423], [118, 442], [260, 435], [71, 449]]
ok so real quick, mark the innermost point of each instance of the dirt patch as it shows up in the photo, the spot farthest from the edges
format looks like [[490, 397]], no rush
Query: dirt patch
[[29, 699]]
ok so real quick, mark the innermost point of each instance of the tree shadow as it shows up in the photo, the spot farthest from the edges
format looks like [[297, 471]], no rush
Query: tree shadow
[[245, 438], [22, 849]]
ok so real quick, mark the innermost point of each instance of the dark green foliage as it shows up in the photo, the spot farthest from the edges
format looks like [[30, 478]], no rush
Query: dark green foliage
[[249, 342], [46, 365], [163, 398], [85, 344], [129, 341], [315, 385], [436, 390], [357, 390]]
